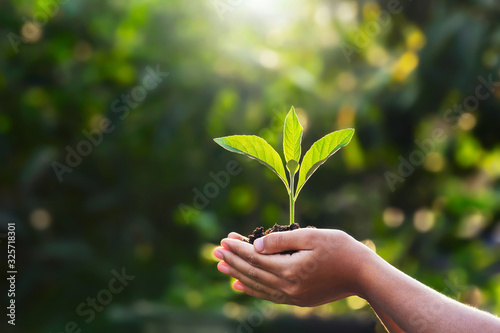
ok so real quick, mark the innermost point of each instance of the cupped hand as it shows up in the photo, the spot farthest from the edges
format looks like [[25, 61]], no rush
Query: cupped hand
[[326, 267]]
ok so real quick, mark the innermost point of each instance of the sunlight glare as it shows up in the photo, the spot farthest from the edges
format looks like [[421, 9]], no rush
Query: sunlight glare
[[265, 6]]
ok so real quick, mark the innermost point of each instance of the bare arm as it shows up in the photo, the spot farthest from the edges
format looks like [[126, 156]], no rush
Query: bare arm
[[331, 265], [388, 323], [417, 308]]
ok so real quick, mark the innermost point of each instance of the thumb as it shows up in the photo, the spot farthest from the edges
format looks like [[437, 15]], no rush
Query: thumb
[[276, 242]]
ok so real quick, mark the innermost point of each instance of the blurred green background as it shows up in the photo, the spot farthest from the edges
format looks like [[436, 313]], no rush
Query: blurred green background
[[396, 71]]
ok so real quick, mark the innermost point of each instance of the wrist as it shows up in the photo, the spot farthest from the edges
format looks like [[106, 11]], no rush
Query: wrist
[[369, 269]]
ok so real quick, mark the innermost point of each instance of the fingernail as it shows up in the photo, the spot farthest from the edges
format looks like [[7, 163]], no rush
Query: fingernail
[[238, 286], [218, 254], [259, 245], [223, 268]]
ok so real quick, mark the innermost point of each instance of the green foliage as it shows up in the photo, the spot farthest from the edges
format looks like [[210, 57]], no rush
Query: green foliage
[[320, 151], [292, 141], [258, 148]]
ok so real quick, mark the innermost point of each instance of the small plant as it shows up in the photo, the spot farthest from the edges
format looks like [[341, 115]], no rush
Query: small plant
[[257, 148]]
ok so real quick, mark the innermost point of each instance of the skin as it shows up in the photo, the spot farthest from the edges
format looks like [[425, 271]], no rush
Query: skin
[[331, 265]]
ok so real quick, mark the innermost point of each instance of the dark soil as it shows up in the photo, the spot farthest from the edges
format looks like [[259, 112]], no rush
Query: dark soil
[[259, 232]]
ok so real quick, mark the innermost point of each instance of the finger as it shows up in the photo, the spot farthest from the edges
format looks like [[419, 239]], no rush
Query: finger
[[235, 235], [277, 242], [242, 270], [274, 297], [248, 281], [245, 251], [218, 253]]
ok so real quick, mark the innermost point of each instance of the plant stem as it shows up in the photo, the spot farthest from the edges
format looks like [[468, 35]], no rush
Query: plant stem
[[292, 200]]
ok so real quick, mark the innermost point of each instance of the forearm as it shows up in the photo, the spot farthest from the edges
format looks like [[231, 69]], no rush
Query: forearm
[[389, 324], [415, 307]]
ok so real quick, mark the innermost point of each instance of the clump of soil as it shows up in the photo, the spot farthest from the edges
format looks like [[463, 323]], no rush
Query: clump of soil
[[259, 232]]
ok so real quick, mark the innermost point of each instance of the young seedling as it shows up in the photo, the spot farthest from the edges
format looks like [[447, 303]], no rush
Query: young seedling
[[257, 148]]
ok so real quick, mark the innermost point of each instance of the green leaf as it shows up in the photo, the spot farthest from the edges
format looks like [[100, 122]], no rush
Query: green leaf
[[256, 148], [320, 151], [292, 166], [292, 138]]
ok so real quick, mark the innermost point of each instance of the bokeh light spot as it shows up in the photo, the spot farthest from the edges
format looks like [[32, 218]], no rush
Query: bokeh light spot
[[323, 16], [356, 303], [275, 37], [347, 81], [40, 219], [370, 244], [31, 32], [491, 163], [329, 37], [467, 121], [345, 117], [346, 11], [263, 6], [424, 220], [377, 56], [393, 217], [302, 312], [468, 151], [471, 225], [207, 252], [95, 122], [231, 310], [268, 59], [415, 40], [434, 162], [323, 311], [474, 297], [405, 66], [125, 74], [490, 58], [371, 10]]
